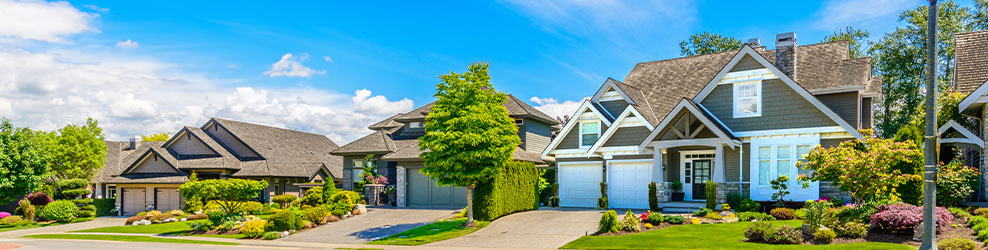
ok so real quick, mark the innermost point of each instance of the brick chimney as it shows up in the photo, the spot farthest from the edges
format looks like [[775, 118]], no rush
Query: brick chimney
[[785, 53]]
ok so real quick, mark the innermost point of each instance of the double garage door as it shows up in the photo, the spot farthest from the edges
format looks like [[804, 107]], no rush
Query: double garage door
[[579, 184], [425, 192], [135, 200]]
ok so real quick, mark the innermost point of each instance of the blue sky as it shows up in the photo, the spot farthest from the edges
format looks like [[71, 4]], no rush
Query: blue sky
[[153, 66]]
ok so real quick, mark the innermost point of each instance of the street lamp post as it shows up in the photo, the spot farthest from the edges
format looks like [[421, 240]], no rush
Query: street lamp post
[[930, 145]]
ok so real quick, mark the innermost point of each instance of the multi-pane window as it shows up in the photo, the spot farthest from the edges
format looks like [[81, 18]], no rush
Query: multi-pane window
[[589, 132], [747, 99]]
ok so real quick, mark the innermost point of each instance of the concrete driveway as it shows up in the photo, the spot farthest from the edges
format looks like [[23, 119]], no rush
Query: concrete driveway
[[545, 229], [375, 224]]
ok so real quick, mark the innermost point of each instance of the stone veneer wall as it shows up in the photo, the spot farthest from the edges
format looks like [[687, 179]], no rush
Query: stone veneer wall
[[400, 189], [833, 191]]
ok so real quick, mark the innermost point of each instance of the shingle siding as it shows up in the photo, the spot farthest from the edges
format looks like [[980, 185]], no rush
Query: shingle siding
[[782, 108], [627, 136], [844, 104], [614, 107]]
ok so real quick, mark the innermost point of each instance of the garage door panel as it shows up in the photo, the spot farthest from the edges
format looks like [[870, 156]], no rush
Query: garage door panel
[[579, 185], [628, 184]]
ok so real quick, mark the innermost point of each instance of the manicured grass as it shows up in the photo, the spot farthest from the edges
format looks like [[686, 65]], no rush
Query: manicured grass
[[173, 228], [124, 238], [437, 231], [705, 236]]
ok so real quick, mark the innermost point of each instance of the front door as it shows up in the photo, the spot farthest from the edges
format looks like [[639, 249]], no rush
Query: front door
[[701, 174]]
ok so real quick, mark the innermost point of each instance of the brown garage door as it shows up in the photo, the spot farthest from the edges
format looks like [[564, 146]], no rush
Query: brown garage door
[[133, 201], [167, 199]]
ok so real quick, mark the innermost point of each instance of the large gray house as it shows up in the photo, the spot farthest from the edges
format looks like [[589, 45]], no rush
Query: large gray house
[[739, 118], [394, 144]]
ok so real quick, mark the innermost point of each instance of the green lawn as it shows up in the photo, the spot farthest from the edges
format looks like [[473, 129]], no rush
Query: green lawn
[[173, 228], [124, 238], [437, 231], [704, 236]]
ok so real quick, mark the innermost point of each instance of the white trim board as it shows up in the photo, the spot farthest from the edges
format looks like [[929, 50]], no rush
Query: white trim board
[[613, 129], [573, 121], [747, 50], [696, 112]]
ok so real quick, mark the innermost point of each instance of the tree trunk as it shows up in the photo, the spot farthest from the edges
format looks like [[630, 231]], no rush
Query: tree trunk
[[469, 205]]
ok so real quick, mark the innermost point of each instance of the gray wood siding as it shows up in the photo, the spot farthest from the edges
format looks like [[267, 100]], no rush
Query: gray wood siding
[[572, 139], [866, 113], [190, 145], [614, 107], [227, 139], [628, 136], [782, 108], [747, 63], [537, 136], [844, 104]]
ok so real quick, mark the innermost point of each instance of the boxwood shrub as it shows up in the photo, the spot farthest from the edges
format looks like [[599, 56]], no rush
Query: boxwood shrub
[[513, 189]]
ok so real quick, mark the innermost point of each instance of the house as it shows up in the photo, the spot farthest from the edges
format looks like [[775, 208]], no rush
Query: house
[[970, 78], [146, 175], [740, 119], [395, 147]]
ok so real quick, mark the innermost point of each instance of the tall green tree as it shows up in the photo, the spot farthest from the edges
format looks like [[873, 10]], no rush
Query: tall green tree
[[707, 43], [155, 137], [470, 135], [900, 58], [77, 151], [23, 162], [858, 39]]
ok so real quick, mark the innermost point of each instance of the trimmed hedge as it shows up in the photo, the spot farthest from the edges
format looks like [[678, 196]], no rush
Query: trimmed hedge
[[513, 189], [104, 207]]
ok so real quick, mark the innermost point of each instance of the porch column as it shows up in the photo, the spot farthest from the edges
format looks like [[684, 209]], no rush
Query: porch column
[[657, 167], [719, 169]]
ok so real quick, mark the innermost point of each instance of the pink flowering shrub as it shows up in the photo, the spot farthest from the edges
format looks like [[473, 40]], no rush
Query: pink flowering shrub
[[379, 180], [904, 216], [39, 199], [4, 215]]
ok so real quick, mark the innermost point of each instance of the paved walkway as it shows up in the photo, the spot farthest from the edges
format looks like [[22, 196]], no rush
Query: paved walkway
[[377, 223], [545, 228]]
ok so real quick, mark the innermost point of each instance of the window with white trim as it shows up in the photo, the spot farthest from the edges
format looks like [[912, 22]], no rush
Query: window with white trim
[[748, 99], [780, 160], [589, 133]]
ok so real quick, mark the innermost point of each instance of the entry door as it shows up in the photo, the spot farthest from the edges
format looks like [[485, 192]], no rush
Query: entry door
[[701, 174]]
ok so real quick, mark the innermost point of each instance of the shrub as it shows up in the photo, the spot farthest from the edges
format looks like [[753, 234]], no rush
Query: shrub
[[955, 182], [313, 197], [824, 235], [61, 211], [783, 213], [11, 220], [754, 216], [905, 216], [39, 199], [748, 205], [784, 234], [655, 218], [653, 197], [756, 231], [272, 235], [702, 212], [284, 221], [957, 244], [855, 230], [711, 189], [608, 223], [959, 212], [316, 214], [513, 189], [674, 219], [631, 222], [602, 201], [253, 228], [27, 209]]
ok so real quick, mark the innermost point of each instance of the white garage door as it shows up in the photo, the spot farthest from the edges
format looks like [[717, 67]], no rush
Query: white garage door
[[133, 201], [627, 185], [579, 184], [168, 199]]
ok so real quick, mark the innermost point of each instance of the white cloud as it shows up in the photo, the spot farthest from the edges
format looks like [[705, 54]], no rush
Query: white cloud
[[43, 21], [291, 66], [839, 13], [327, 58], [363, 102], [129, 44], [556, 109]]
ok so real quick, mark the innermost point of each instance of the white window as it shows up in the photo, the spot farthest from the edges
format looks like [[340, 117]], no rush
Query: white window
[[415, 125], [780, 160], [748, 99], [589, 132]]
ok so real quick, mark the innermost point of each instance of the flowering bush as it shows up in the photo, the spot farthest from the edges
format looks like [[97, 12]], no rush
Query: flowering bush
[[905, 216], [955, 182], [870, 169], [783, 213], [39, 199]]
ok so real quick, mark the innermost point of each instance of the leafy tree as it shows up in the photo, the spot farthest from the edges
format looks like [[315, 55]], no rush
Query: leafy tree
[[900, 58], [870, 170], [23, 162], [230, 194], [77, 151], [155, 137], [856, 37], [470, 135], [707, 43]]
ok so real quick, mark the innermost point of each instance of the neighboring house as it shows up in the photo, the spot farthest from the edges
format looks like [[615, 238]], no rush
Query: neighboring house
[[395, 146], [142, 175], [740, 119], [971, 78]]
